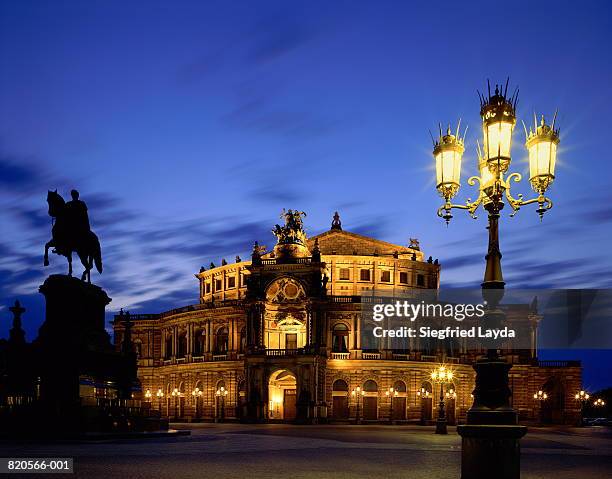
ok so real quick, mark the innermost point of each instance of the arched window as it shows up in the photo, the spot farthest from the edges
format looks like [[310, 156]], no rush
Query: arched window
[[399, 386], [199, 342], [340, 385], [221, 340], [340, 338], [340, 399], [370, 386]]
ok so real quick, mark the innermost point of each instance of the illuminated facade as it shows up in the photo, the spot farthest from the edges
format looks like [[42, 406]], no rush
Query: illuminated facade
[[279, 338]]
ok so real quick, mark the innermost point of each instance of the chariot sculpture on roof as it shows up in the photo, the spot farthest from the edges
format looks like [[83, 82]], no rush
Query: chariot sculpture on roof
[[292, 232]]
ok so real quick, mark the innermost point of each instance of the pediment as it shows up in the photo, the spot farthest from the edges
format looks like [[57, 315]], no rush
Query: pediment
[[346, 243]]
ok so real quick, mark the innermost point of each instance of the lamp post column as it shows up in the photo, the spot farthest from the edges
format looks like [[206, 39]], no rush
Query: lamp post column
[[441, 422]]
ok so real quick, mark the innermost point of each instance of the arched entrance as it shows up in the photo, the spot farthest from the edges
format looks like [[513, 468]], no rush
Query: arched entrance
[[399, 401], [282, 398], [241, 399], [197, 394], [370, 400], [553, 406], [340, 403], [425, 393]]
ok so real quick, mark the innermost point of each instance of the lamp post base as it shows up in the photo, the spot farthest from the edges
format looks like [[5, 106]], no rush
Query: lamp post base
[[441, 426], [490, 451]]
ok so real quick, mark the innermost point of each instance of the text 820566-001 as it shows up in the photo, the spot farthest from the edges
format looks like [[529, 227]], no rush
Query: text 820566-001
[[36, 464]]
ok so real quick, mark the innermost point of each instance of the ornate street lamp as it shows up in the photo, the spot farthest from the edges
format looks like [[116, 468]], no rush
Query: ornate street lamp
[[540, 397], [197, 394], [492, 393], [221, 393], [441, 375], [148, 395], [160, 395], [357, 393], [176, 394], [582, 397], [599, 402], [423, 393], [391, 393]]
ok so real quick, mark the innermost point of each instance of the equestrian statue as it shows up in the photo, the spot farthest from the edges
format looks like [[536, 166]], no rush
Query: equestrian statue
[[71, 233]]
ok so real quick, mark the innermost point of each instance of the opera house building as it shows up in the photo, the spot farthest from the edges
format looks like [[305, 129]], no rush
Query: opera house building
[[279, 338]]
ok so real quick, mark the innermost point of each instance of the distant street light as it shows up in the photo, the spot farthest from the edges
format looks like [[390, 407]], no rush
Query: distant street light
[[197, 394], [540, 397], [221, 393], [160, 395], [176, 394], [391, 393], [441, 376], [599, 402], [583, 398]]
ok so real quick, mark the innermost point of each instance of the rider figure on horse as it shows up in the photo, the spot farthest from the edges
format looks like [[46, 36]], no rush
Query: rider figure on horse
[[71, 233], [77, 215]]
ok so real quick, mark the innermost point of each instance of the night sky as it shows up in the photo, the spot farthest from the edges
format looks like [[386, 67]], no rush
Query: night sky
[[188, 126]]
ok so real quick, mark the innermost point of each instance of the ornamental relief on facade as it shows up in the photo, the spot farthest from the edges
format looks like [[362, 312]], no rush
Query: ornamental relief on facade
[[285, 290]]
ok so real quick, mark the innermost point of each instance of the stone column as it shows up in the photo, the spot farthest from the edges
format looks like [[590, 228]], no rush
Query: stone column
[[189, 341]]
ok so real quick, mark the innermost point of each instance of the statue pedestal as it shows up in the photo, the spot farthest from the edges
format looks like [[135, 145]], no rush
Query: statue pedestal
[[490, 451], [74, 313], [71, 342]]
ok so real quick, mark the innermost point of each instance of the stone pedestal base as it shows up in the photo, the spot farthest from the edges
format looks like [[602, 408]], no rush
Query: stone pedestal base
[[490, 451], [441, 426], [72, 341]]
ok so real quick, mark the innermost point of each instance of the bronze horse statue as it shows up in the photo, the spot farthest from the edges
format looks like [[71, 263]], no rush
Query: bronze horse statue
[[68, 235]]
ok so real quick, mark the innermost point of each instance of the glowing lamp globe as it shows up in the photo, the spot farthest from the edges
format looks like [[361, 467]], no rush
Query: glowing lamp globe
[[542, 142], [448, 151], [498, 120]]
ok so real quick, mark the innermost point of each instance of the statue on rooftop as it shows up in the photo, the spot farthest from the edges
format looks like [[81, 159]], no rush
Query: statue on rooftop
[[292, 232], [336, 223], [71, 233]]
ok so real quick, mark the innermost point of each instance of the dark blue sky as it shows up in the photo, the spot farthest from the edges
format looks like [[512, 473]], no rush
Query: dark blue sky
[[187, 126]]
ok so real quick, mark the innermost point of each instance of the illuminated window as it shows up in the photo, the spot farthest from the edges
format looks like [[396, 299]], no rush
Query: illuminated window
[[199, 341], [385, 276], [364, 275], [221, 340], [345, 274], [291, 341], [340, 338], [403, 278]]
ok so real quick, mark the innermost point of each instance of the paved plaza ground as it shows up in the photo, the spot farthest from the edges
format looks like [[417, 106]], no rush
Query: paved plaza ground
[[287, 451]]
